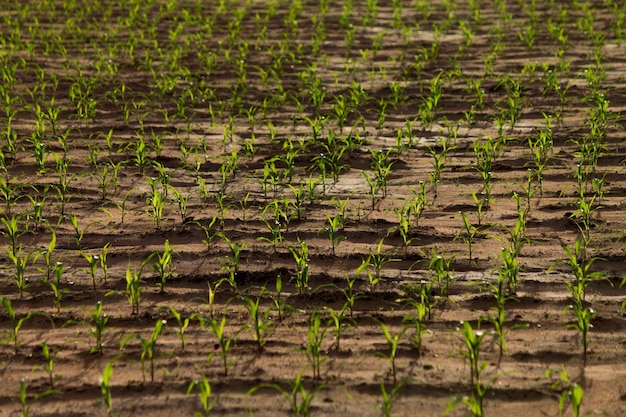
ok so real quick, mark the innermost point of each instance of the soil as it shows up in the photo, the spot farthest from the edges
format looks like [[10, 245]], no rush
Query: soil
[[540, 344]]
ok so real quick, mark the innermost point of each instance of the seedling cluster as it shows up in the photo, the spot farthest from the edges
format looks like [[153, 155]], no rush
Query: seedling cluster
[[313, 181]]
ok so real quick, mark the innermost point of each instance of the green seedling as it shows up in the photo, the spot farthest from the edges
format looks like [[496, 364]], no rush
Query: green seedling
[[219, 330], [388, 397], [12, 233], [392, 342], [183, 204], [207, 400], [339, 323], [156, 203], [79, 232], [231, 263], [280, 303], [469, 234], [301, 256], [105, 388], [16, 323], [148, 348], [47, 256], [297, 396], [163, 265], [581, 268], [104, 251], [260, 319], [333, 229], [20, 262], [440, 269], [93, 261], [24, 398], [182, 323], [316, 337], [574, 393], [474, 402], [133, 286], [49, 357], [97, 327], [55, 285], [473, 339], [418, 322]]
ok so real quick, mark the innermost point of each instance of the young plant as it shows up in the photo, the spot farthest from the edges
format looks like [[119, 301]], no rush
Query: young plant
[[470, 233], [339, 323], [575, 396], [20, 262], [156, 203], [16, 323], [55, 285], [183, 324], [97, 327], [148, 348], [279, 301], [392, 342], [105, 388], [50, 357], [24, 397], [440, 269], [388, 397], [422, 313], [231, 263], [219, 330], [297, 396], [376, 261], [163, 265], [582, 324], [259, 326], [133, 286], [581, 268], [334, 226], [206, 399], [301, 256], [473, 339], [316, 336], [93, 261]]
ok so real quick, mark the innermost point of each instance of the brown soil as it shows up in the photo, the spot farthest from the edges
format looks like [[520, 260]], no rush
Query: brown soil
[[351, 377]]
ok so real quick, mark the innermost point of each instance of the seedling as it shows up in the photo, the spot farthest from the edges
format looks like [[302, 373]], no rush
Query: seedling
[[218, 329], [182, 323], [392, 342], [20, 261], [388, 397], [574, 393], [440, 268], [93, 261], [50, 357], [16, 324], [470, 233], [297, 396], [259, 326], [333, 228], [206, 399], [163, 265], [301, 256], [24, 397], [98, 326], [316, 336], [339, 323], [105, 388], [473, 339], [133, 285], [148, 348], [231, 263]]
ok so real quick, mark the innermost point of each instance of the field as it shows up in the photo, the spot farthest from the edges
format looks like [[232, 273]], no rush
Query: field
[[312, 207]]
